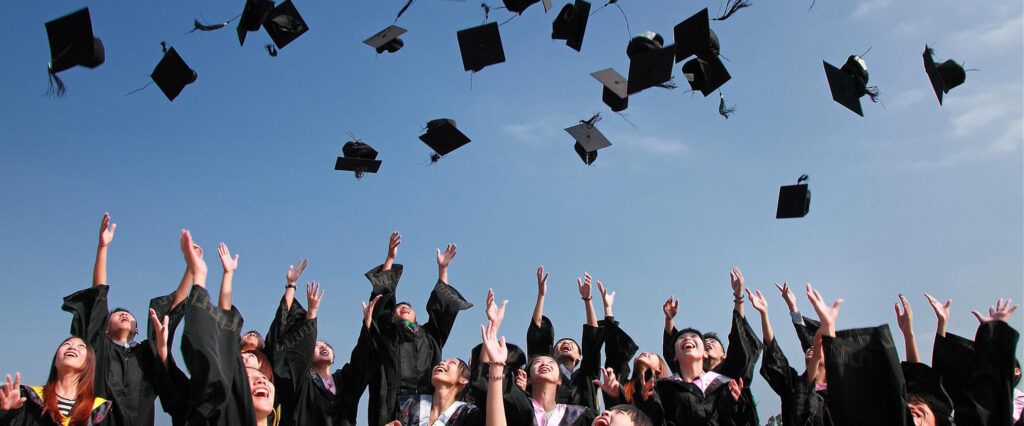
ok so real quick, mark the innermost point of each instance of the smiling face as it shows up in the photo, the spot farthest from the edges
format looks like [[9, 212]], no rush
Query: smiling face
[[716, 353], [262, 392], [404, 312], [450, 372], [613, 418], [545, 368], [323, 354], [567, 351], [251, 341], [649, 361], [690, 347], [921, 412], [121, 325], [250, 360], [71, 356]]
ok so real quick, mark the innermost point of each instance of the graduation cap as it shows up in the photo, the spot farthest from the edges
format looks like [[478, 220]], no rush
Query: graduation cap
[[588, 139], [794, 200], [849, 83], [944, 76], [706, 75], [649, 68], [925, 384], [284, 24], [443, 137], [571, 23], [518, 6], [72, 43], [359, 158], [253, 15], [694, 36], [387, 40], [613, 92], [172, 74], [481, 46]]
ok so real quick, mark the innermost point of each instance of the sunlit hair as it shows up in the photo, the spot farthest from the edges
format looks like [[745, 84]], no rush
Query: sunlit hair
[[264, 367], [133, 324], [84, 396], [463, 374], [636, 376], [638, 417]]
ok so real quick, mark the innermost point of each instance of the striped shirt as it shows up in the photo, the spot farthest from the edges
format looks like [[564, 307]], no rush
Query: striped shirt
[[65, 405]]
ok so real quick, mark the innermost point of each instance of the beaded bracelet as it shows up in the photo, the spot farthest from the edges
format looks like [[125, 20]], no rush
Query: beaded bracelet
[[495, 376], [497, 363]]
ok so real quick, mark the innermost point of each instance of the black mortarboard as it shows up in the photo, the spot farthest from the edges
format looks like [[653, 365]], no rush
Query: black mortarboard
[[694, 36], [588, 140], [253, 15], [843, 87], [706, 75], [481, 46], [443, 137], [650, 68], [571, 23], [925, 383], [614, 91], [794, 200], [944, 76], [284, 24], [359, 158], [518, 6], [172, 74], [387, 40], [72, 42], [644, 42]]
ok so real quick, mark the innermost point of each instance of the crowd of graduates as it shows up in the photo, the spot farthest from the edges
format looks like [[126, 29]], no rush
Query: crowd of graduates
[[102, 375]]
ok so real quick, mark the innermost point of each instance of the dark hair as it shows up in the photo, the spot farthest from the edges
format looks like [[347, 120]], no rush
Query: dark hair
[[939, 410], [636, 376], [711, 335], [134, 324], [84, 396], [680, 333], [533, 360], [1016, 364], [265, 366], [259, 339], [638, 417], [463, 374]]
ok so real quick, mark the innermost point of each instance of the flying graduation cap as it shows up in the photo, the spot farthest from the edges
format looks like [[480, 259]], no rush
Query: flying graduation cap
[[650, 64], [480, 46], [387, 40], [518, 6], [253, 15], [588, 139], [359, 158], [694, 37], [72, 43], [443, 137], [571, 24], [284, 24], [944, 76], [172, 74], [794, 200], [849, 83], [613, 93]]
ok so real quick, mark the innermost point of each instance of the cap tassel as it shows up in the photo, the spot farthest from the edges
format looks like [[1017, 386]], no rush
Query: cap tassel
[[802, 179], [723, 110], [61, 89], [670, 85], [592, 120], [404, 8], [872, 92], [202, 27], [732, 7], [271, 50]]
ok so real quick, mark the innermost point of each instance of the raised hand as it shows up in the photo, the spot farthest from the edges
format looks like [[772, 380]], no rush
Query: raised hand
[[194, 258], [609, 383], [368, 311], [904, 319], [542, 281], [293, 273], [521, 379], [671, 307], [607, 297], [495, 348], [736, 280], [444, 259], [941, 313], [735, 388], [10, 394], [648, 387], [160, 329], [1001, 312], [788, 296], [758, 301], [826, 315], [106, 230], [393, 243], [225, 259], [313, 296], [584, 286], [494, 313]]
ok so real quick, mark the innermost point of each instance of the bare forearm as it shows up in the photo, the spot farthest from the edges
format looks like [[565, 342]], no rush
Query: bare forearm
[[442, 274], [495, 405], [181, 292], [591, 315], [538, 310], [225, 291], [766, 330], [940, 328], [670, 323], [289, 295], [387, 264], [738, 304], [99, 270], [911, 344]]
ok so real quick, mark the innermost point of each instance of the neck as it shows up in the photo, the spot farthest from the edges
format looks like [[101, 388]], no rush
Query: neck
[[690, 370], [323, 369], [67, 385], [444, 397], [261, 421], [544, 394], [567, 362], [118, 337]]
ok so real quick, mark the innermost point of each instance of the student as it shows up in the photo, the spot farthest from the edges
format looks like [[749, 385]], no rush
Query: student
[[407, 350], [67, 398]]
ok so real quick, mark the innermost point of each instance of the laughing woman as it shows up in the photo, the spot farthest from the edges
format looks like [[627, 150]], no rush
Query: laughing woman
[[66, 399]]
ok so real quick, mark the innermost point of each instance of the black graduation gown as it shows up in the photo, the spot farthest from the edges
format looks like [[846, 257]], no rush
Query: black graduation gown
[[303, 397], [464, 415], [678, 403], [579, 388], [478, 381], [979, 375], [124, 376], [865, 381], [31, 411], [218, 389], [519, 410], [801, 405], [619, 348], [406, 356]]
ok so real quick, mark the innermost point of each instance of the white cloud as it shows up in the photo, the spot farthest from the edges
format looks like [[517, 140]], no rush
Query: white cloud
[[999, 36], [869, 6]]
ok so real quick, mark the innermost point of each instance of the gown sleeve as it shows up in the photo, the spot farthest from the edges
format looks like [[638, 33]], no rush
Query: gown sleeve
[[619, 348], [744, 349], [89, 311], [668, 349], [443, 306], [950, 356], [353, 378], [991, 382], [540, 340], [584, 391], [863, 370]]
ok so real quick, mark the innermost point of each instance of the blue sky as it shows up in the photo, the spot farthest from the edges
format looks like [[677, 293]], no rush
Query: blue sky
[[913, 197]]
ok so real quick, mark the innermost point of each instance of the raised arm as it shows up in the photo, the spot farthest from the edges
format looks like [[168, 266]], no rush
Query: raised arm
[[443, 260], [906, 322], [498, 353], [393, 243], [313, 296], [584, 287], [194, 258], [759, 303], [230, 264], [160, 330], [186, 279], [607, 299], [941, 314], [291, 277], [542, 289], [736, 280], [671, 308], [99, 270], [826, 314]]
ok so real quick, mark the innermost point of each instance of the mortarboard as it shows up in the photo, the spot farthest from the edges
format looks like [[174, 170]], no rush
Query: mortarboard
[[571, 23], [387, 40], [443, 137], [706, 75], [794, 200], [614, 91], [72, 42], [944, 76], [284, 24], [849, 83], [588, 139], [518, 6], [694, 36], [644, 42], [253, 15], [649, 68], [359, 158], [172, 74], [481, 46]]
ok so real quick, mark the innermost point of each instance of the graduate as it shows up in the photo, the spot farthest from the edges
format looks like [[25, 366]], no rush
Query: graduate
[[406, 350], [577, 384]]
